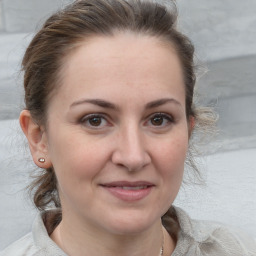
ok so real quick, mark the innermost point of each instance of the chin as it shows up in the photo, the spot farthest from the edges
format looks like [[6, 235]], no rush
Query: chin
[[128, 224]]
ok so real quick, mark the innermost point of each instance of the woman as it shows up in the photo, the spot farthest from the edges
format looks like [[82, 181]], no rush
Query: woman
[[109, 115]]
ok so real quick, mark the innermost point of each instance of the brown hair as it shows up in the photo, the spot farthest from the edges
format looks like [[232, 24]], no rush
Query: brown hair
[[62, 32]]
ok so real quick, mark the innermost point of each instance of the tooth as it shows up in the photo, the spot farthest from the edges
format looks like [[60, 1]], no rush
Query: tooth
[[134, 188]]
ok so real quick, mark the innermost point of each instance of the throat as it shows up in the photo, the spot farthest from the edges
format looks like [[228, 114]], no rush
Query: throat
[[73, 242]]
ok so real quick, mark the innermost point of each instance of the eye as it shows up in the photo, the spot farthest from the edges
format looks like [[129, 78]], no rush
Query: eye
[[94, 121], [160, 120]]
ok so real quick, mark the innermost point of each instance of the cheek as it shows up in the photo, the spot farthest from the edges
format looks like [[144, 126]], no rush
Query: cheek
[[76, 158], [77, 169], [80, 162], [173, 153], [170, 159], [169, 162]]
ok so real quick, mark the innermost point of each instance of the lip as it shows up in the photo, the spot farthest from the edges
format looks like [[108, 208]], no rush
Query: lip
[[129, 191]]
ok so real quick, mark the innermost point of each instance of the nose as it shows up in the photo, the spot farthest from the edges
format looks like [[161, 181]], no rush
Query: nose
[[130, 149]]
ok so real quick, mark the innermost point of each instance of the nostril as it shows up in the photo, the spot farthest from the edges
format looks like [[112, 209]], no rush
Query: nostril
[[130, 152], [131, 163]]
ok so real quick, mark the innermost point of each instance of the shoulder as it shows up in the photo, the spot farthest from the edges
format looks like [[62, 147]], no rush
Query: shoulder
[[38, 242], [211, 238], [23, 246]]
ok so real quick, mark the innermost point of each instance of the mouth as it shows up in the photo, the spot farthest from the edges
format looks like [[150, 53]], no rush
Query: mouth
[[126, 185], [129, 191], [133, 188]]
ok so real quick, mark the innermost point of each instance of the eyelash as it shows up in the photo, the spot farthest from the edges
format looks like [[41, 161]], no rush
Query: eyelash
[[89, 118], [166, 118]]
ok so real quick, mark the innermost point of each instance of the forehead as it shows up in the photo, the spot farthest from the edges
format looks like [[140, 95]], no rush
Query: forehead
[[124, 61]]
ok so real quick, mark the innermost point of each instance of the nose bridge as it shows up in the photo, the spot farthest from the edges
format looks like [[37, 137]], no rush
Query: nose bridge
[[131, 149], [132, 140]]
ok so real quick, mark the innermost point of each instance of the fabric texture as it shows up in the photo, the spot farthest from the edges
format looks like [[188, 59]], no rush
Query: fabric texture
[[196, 238]]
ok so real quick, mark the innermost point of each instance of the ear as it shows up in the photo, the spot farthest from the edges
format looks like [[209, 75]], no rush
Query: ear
[[37, 140], [191, 125]]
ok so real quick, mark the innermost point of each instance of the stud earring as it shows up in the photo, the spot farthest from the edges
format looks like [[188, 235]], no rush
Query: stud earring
[[41, 160]]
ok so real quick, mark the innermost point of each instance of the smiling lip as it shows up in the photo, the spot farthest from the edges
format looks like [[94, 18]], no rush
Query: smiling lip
[[129, 191]]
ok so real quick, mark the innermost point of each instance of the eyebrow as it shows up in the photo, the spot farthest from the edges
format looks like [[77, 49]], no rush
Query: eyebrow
[[98, 102], [109, 105], [160, 102]]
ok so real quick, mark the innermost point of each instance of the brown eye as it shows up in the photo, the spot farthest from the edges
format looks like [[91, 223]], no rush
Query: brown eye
[[95, 121], [160, 120], [157, 120]]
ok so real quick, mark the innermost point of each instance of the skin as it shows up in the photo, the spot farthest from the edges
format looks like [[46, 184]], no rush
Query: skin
[[134, 86]]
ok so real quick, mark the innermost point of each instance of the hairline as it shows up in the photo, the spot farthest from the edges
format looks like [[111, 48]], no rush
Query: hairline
[[58, 78]]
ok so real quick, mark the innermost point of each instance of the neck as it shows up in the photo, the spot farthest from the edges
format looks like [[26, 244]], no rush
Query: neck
[[80, 240]]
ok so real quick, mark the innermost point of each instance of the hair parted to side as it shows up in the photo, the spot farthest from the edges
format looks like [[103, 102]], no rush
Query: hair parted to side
[[77, 22]]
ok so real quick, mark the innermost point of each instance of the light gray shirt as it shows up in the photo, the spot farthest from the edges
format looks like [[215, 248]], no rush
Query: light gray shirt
[[196, 238]]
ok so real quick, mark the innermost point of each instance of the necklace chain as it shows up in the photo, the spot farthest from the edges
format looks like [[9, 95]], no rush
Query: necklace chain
[[161, 251], [162, 247]]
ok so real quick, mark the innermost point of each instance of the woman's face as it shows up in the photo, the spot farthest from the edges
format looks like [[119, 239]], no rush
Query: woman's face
[[117, 133]]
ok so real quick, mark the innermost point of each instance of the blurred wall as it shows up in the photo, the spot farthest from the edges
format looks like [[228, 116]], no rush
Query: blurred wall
[[219, 29], [1, 17], [23, 15]]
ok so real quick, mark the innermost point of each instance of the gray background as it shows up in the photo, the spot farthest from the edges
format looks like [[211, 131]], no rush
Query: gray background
[[224, 33]]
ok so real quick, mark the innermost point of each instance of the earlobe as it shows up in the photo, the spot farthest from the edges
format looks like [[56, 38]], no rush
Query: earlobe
[[37, 140]]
